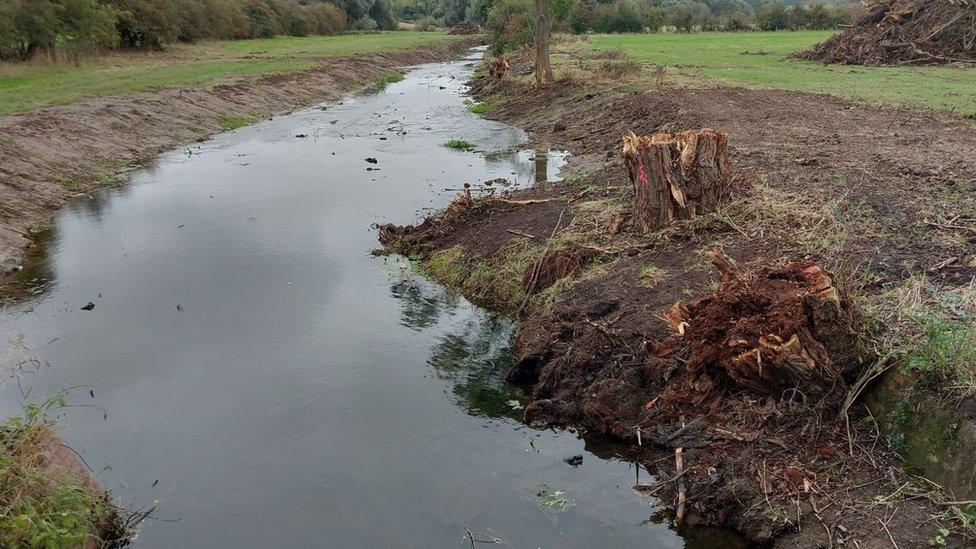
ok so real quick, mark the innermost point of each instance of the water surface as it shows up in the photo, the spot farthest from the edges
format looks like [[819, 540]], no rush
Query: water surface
[[269, 381]]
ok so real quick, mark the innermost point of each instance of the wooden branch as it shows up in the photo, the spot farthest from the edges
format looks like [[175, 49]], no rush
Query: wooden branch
[[520, 233], [679, 466]]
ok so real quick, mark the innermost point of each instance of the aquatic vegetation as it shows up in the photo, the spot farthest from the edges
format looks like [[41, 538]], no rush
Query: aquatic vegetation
[[459, 145]]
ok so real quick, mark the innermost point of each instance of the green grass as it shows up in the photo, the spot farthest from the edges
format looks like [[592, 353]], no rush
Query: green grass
[[27, 86], [460, 145], [480, 108], [760, 59], [233, 122], [41, 506], [383, 81]]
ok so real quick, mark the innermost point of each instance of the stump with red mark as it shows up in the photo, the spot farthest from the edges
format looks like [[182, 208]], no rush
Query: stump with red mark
[[676, 176]]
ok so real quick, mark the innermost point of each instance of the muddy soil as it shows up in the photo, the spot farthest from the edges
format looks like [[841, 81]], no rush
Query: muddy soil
[[869, 194], [53, 154]]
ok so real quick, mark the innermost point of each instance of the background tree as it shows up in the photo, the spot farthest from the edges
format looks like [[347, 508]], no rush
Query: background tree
[[543, 68]]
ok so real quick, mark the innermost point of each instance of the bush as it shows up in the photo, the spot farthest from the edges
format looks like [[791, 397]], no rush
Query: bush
[[735, 22], [774, 16], [28, 26], [383, 15], [365, 23], [623, 17], [325, 19], [146, 24], [88, 24], [654, 19], [511, 24]]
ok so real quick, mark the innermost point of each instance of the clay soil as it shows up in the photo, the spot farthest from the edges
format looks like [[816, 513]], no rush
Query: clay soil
[[867, 196], [53, 154]]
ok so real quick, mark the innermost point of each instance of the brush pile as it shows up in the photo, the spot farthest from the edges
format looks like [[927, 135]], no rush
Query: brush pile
[[900, 32], [465, 28]]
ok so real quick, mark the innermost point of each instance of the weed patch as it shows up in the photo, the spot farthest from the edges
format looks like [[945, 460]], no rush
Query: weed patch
[[460, 145], [41, 507], [382, 82], [233, 122], [480, 108]]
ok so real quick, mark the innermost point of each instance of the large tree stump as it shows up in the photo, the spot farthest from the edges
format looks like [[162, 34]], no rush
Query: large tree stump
[[676, 176]]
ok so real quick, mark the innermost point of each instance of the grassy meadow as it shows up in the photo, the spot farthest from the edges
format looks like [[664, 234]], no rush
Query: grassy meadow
[[761, 59], [27, 86]]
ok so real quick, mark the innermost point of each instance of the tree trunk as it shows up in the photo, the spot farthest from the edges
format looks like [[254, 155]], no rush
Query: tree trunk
[[676, 176], [543, 70]]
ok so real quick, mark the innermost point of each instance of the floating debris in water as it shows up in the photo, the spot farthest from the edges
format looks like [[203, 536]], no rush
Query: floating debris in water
[[553, 499]]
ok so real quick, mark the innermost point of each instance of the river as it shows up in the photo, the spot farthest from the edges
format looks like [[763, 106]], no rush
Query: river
[[251, 366]]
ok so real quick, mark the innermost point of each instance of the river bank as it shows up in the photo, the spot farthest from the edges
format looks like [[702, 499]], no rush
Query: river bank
[[53, 154], [818, 180]]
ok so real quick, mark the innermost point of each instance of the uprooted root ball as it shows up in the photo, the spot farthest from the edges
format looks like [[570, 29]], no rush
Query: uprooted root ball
[[749, 382], [776, 332]]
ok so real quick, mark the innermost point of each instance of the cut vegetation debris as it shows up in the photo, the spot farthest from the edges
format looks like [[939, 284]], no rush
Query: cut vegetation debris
[[746, 397], [898, 32]]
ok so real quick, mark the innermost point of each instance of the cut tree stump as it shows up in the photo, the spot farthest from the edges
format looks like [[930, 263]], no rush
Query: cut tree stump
[[676, 176]]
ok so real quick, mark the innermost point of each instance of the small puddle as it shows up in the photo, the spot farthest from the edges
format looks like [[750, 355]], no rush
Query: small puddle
[[271, 383]]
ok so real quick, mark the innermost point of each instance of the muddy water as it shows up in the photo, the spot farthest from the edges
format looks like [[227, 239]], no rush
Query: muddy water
[[273, 384]]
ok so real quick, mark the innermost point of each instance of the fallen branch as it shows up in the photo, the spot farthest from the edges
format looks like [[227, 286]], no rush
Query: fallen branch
[[526, 201]]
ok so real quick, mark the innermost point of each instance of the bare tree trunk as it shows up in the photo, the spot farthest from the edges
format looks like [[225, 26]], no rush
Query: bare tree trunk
[[543, 70]]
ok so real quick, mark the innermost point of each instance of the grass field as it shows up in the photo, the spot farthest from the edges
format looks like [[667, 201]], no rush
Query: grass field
[[26, 86], [760, 59]]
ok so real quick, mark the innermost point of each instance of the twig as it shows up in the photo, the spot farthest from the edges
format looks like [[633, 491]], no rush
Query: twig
[[520, 233], [679, 465], [884, 524], [525, 202]]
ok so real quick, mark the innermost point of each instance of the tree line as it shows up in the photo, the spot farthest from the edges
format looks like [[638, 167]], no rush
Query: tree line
[[32, 27], [512, 21]]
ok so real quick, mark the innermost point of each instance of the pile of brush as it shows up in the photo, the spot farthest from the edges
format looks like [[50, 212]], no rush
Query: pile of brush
[[900, 32], [464, 28]]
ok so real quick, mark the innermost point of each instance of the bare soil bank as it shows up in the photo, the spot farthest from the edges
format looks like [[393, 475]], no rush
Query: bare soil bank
[[866, 192], [52, 154]]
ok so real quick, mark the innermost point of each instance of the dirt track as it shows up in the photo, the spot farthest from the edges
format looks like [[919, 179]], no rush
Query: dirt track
[[868, 192], [52, 154]]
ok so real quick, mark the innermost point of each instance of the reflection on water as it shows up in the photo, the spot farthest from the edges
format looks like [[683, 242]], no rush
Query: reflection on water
[[474, 361], [421, 303]]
